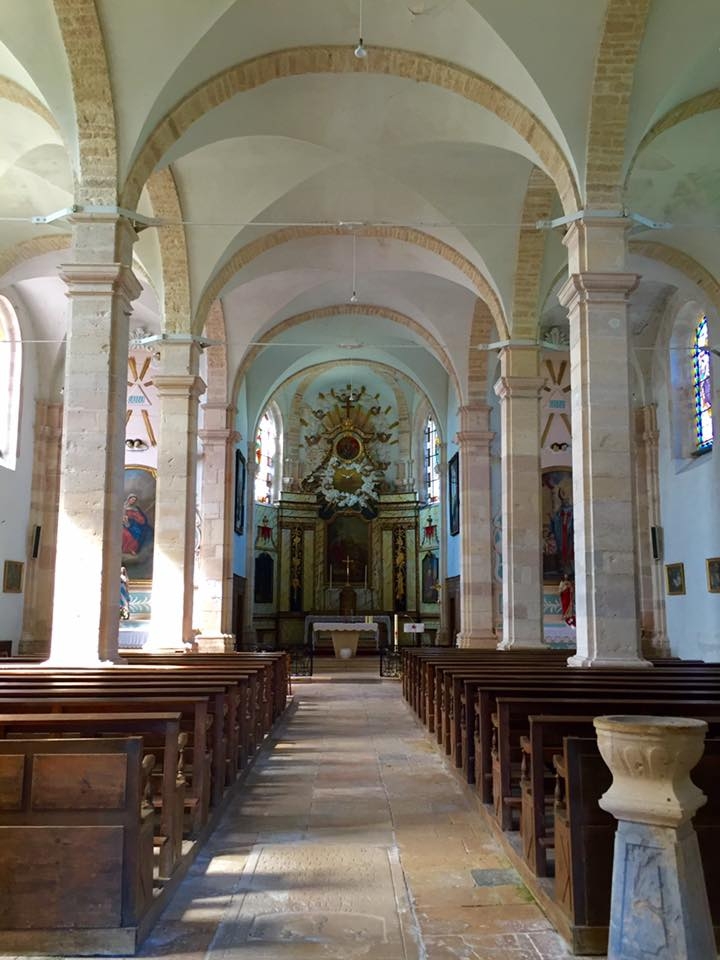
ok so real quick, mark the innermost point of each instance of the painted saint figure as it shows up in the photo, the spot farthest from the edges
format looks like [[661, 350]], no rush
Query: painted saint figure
[[124, 595], [135, 527]]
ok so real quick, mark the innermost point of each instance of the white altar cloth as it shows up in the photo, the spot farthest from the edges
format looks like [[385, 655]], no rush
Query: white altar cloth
[[345, 635]]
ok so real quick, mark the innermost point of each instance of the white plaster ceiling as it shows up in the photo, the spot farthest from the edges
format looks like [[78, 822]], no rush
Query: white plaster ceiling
[[364, 147]]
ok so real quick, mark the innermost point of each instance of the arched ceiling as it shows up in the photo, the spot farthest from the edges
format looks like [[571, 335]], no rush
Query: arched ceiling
[[438, 135]]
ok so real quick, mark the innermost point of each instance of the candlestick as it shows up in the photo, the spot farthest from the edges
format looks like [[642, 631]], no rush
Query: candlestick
[[395, 630]]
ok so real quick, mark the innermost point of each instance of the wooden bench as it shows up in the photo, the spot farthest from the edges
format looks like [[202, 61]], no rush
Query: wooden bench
[[72, 819], [161, 737], [584, 839]]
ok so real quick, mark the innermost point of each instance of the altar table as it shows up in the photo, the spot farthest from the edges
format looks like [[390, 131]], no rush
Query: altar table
[[345, 635]]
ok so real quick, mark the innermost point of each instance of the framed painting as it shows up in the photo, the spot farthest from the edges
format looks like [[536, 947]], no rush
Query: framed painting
[[138, 523], [348, 549], [712, 565], [13, 576], [454, 495], [675, 579], [240, 479]]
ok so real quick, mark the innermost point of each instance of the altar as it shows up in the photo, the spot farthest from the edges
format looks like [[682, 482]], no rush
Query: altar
[[345, 634]]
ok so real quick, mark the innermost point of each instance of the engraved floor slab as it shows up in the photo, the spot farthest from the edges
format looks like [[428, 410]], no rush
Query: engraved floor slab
[[351, 839]]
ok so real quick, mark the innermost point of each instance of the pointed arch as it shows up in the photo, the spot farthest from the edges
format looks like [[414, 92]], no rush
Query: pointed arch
[[166, 205], [539, 198]]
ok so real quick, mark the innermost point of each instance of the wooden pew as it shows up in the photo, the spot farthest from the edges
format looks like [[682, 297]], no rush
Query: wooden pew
[[585, 836], [544, 740], [71, 817], [156, 729], [195, 718]]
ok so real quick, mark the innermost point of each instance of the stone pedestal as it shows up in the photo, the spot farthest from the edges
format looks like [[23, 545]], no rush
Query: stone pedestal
[[519, 390], [476, 611], [659, 907]]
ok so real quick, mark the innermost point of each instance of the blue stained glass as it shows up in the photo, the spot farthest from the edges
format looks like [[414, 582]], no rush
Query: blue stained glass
[[703, 387]]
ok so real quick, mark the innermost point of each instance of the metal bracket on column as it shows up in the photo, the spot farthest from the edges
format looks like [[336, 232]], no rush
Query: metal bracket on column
[[202, 342], [139, 220], [624, 214]]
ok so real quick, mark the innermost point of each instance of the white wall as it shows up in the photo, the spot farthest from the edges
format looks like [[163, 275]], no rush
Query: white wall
[[15, 487], [689, 488]]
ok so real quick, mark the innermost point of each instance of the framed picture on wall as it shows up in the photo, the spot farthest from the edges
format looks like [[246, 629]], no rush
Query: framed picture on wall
[[712, 565], [454, 495], [13, 576], [675, 579], [240, 474]]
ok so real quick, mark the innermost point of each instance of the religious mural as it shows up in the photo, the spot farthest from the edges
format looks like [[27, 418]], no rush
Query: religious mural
[[138, 521], [557, 525]]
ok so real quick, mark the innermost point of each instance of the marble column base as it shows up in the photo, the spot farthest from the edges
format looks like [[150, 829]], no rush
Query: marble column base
[[659, 902]]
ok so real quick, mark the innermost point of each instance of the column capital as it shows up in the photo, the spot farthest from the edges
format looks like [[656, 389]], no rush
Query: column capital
[[467, 438], [100, 280], [218, 436], [597, 288], [179, 385], [523, 388]]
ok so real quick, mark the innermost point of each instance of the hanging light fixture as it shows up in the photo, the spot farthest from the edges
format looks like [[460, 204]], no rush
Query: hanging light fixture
[[360, 51], [354, 296]]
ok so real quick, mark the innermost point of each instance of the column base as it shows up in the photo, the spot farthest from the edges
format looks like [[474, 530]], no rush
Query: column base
[[480, 640], [215, 643], [578, 660], [521, 644]]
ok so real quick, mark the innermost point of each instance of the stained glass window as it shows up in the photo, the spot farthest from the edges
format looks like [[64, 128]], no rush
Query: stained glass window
[[431, 461], [703, 388], [265, 454]]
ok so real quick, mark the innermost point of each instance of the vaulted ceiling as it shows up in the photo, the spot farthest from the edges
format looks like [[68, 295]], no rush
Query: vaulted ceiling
[[298, 168]]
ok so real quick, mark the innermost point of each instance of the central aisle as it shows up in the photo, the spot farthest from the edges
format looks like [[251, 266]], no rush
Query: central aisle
[[350, 839]]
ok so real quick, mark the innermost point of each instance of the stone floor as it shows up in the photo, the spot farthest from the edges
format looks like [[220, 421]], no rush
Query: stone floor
[[350, 840]]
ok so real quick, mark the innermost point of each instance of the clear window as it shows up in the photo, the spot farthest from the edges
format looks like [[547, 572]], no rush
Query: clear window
[[266, 447], [431, 461], [10, 376], [702, 385]]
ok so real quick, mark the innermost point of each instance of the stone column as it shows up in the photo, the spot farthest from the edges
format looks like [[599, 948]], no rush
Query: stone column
[[653, 630], [101, 287], [519, 391], [476, 613], [596, 295], [248, 641], [179, 388], [39, 580], [214, 565], [659, 905]]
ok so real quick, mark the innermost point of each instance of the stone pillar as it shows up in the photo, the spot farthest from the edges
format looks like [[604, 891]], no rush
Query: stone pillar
[[653, 630], [519, 391], [39, 580], [214, 565], [179, 388], [596, 295], [101, 287], [248, 641], [659, 905], [476, 613]]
